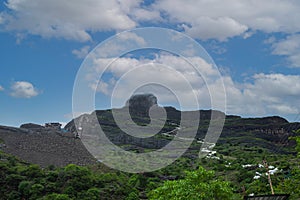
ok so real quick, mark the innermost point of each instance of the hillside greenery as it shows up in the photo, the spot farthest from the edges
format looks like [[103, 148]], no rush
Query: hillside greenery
[[229, 175]]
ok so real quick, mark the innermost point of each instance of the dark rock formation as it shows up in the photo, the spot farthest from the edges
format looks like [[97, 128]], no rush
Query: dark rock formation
[[31, 126], [141, 103]]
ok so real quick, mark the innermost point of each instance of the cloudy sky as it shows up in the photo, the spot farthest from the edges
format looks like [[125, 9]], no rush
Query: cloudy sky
[[254, 44]]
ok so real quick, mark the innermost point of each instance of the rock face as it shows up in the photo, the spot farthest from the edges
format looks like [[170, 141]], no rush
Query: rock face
[[31, 126], [44, 146], [141, 103]]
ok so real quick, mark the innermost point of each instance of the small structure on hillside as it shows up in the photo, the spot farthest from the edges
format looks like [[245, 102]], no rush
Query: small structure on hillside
[[55, 125]]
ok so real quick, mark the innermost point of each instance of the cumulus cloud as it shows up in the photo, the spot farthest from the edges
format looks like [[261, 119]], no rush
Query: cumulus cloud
[[202, 19], [263, 94], [74, 20], [220, 28], [289, 47], [81, 53], [100, 86], [268, 93], [132, 37], [224, 19], [23, 89], [138, 12], [175, 72], [1, 88], [68, 19]]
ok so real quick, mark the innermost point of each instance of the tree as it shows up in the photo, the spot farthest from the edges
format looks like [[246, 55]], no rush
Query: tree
[[24, 188], [291, 184], [55, 196], [297, 139], [197, 185]]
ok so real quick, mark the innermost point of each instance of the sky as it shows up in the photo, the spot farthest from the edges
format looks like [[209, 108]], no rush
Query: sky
[[255, 46]]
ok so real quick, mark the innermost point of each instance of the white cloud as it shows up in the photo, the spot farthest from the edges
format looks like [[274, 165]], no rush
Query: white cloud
[[270, 40], [202, 19], [81, 53], [277, 85], [133, 71], [132, 37], [268, 94], [263, 94], [220, 28], [74, 20], [139, 13], [1, 88], [289, 47], [223, 19], [23, 89], [216, 48], [100, 87], [115, 47], [120, 66], [68, 19]]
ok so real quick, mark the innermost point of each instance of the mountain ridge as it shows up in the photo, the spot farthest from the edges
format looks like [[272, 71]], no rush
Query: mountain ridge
[[50, 146]]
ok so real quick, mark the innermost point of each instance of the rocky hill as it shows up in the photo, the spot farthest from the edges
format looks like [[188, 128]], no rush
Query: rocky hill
[[271, 133], [48, 146], [44, 146]]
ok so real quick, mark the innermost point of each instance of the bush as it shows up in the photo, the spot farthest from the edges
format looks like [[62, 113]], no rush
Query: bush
[[199, 184], [55, 196]]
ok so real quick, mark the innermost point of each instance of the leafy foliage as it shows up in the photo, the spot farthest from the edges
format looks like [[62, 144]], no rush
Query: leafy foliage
[[26, 181], [20, 180], [291, 184], [297, 139], [199, 184]]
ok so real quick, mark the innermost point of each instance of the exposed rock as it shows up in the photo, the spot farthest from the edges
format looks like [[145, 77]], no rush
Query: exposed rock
[[44, 147], [142, 100], [141, 103], [31, 126]]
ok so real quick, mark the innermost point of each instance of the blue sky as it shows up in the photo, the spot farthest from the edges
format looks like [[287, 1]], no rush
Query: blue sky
[[255, 45]]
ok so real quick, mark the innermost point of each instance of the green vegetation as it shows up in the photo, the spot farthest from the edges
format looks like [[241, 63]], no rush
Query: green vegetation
[[228, 174], [291, 183], [297, 139], [199, 184], [26, 181]]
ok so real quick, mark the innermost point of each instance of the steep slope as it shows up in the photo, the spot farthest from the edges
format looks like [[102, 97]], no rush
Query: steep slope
[[44, 146]]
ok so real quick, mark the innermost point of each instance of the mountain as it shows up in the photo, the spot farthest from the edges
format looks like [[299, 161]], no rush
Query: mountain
[[271, 133], [48, 146], [44, 146]]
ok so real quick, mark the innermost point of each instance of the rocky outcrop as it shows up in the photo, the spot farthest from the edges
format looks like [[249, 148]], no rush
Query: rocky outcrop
[[44, 146], [141, 103], [31, 126]]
